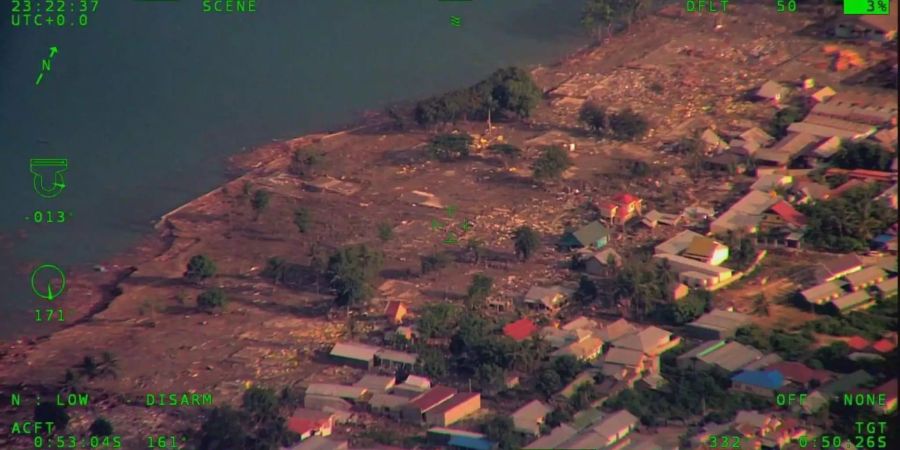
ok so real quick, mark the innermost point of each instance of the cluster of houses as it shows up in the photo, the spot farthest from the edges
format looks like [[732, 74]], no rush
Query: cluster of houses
[[846, 284]]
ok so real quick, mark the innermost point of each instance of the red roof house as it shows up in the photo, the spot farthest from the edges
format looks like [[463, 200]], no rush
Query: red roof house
[[308, 423], [415, 410], [789, 214], [395, 311], [620, 207], [858, 343], [520, 330], [884, 346], [800, 373]]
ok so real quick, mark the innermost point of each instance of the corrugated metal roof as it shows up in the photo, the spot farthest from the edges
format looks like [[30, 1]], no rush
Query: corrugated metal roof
[[432, 398], [351, 350]]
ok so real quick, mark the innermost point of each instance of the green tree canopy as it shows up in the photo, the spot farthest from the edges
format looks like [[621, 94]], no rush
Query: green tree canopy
[[862, 155], [526, 241], [627, 125], [351, 271], [307, 162], [434, 262], [260, 201], [848, 222], [479, 290], [200, 267], [449, 147], [303, 219], [100, 427], [385, 232], [224, 429], [551, 164], [438, 320], [500, 429], [509, 92], [211, 300], [507, 152], [593, 116]]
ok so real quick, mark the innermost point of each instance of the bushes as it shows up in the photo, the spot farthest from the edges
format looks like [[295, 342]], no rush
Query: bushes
[[435, 262], [200, 267], [211, 300], [551, 164], [623, 125], [506, 92], [307, 162], [862, 155], [449, 147], [849, 222]]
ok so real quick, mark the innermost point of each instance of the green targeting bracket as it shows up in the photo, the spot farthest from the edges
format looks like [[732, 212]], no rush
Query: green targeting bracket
[[59, 166], [51, 273]]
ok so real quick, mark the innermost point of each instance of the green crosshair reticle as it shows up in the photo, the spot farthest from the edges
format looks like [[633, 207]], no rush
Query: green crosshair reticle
[[59, 166], [48, 281]]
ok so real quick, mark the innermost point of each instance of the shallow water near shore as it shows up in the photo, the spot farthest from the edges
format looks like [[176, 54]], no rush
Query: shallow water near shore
[[149, 99]]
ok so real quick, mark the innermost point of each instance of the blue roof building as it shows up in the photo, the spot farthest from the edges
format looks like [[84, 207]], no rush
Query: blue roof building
[[470, 443], [762, 382]]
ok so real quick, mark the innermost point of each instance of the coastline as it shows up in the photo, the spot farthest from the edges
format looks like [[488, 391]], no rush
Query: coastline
[[100, 286]]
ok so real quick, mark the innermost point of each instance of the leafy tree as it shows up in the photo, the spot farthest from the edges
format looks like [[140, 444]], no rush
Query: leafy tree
[[506, 152], [50, 412], [104, 366], [224, 429], [559, 416], [549, 382], [434, 262], [599, 13], [490, 377], [848, 222], [551, 164], [260, 201], [385, 232], [432, 361], [475, 246], [515, 91], [526, 241], [276, 268], [89, 367], [303, 220], [500, 429], [583, 397], [108, 365], [351, 271], [438, 320], [509, 91], [211, 300], [200, 267], [743, 250], [100, 427], [587, 290], [307, 162], [568, 367], [449, 147], [644, 285], [627, 125], [783, 119], [593, 116], [862, 155], [690, 307], [479, 290]]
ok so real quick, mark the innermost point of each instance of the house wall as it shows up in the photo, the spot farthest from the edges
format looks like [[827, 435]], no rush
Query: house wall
[[353, 362], [455, 414]]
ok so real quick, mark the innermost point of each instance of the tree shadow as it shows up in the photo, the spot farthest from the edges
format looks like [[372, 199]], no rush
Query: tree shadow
[[404, 157]]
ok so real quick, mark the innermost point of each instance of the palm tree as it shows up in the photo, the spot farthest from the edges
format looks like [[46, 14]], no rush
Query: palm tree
[[109, 365], [88, 367]]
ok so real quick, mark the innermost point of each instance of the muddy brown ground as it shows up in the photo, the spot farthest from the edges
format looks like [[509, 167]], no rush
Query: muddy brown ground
[[276, 335]]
